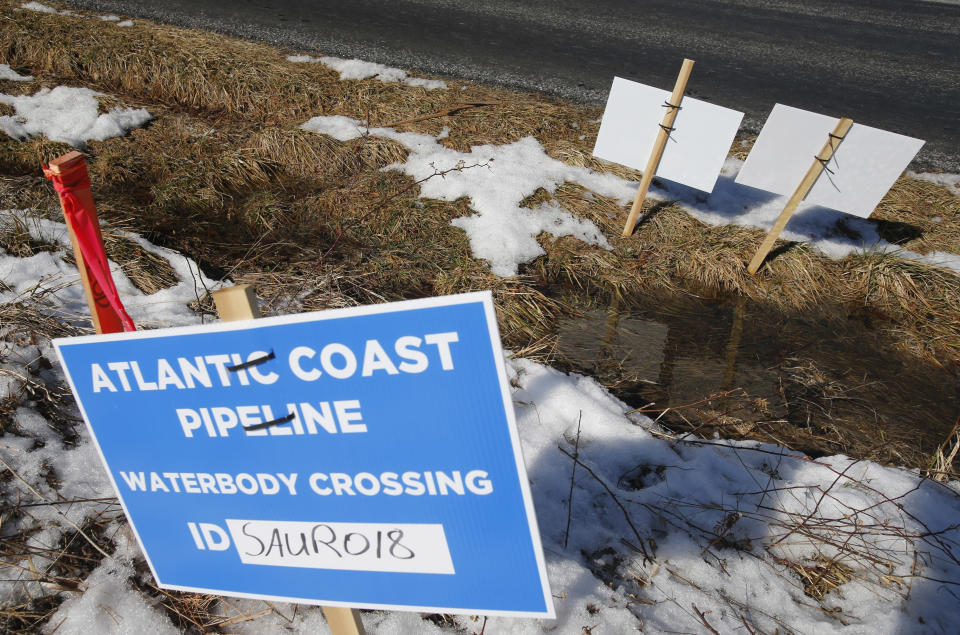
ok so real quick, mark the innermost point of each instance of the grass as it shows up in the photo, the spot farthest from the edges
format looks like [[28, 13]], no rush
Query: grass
[[224, 174]]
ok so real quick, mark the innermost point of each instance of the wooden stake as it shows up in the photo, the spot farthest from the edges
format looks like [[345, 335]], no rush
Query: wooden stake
[[816, 169], [343, 621], [63, 166], [658, 146], [240, 303], [237, 303]]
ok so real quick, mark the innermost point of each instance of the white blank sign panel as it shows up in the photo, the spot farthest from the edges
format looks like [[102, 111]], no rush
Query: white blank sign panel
[[695, 151], [864, 166]]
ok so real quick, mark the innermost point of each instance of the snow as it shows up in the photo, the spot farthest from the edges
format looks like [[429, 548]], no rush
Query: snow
[[359, 69], [109, 604], [950, 182], [497, 178], [46, 274], [9, 74], [43, 8], [69, 115]]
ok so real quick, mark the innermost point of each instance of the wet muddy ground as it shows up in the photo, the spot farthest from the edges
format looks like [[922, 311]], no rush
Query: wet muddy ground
[[823, 383]]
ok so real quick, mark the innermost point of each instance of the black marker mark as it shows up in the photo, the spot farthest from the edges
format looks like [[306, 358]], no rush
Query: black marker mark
[[252, 362], [274, 422]]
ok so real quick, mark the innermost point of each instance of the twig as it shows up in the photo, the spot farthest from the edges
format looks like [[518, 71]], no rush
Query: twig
[[573, 471], [944, 455], [242, 618], [108, 499], [816, 506], [646, 556], [703, 619], [662, 411]]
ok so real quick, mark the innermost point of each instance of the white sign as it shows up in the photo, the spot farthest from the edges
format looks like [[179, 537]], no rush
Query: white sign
[[696, 149], [865, 165]]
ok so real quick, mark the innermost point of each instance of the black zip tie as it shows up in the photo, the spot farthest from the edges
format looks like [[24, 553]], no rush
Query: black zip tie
[[825, 163], [668, 129], [667, 104], [252, 362], [274, 422]]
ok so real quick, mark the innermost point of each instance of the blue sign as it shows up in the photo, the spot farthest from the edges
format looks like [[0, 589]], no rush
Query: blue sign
[[363, 457]]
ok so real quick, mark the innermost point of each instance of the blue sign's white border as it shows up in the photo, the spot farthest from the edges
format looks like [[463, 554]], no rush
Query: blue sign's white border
[[66, 345]]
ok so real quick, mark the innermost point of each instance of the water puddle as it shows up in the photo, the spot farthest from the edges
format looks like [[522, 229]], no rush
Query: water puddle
[[821, 383]]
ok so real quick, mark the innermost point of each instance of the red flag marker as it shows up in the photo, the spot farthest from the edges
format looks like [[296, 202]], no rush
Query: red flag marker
[[72, 182]]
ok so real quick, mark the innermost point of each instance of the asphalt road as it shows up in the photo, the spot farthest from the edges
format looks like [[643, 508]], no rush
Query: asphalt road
[[891, 64]]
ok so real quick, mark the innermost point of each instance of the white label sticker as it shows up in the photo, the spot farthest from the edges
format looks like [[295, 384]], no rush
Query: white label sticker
[[401, 548]]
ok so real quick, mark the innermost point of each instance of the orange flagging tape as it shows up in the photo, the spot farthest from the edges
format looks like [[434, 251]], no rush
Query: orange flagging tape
[[68, 181]]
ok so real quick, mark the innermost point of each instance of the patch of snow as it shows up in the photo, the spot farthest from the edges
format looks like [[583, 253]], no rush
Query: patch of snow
[[359, 69], [47, 274], [43, 8], [936, 258], [109, 604], [36, 6], [505, 250], [496, 179], [949, 181], [69, 115], [678, 493], [429, 84], [11, 75]]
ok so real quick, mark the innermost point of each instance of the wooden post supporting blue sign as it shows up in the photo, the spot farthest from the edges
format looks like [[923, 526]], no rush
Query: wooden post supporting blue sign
[[361, 458], [239, 302]]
